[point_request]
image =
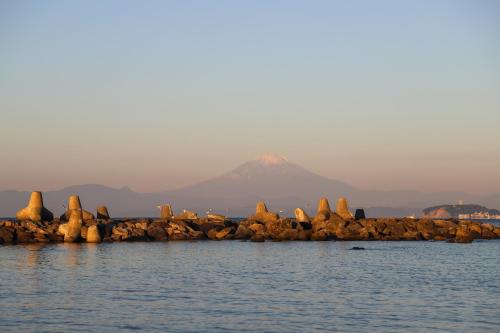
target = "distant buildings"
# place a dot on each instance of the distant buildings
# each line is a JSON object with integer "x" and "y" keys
{"x": 479, "y": 216}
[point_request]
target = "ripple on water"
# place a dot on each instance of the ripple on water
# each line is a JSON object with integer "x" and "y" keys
{"x": 251, "y": 287}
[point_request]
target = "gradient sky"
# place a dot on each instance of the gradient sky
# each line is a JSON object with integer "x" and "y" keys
{"x": 160, "y": 94}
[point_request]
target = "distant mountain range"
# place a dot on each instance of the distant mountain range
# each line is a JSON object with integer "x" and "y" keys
{"x": 282, "y": 184}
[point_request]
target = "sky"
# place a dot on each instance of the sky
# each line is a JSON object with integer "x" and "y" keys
{"x": 156, "y": 95}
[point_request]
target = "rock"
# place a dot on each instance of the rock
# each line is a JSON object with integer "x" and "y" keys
{"x": 212, "y": 234}
{"x": 243, "y": 232}
{"x": 102, "y": 213}
{"x": 93, "y": 235}
{"x": 31, "y": 226}
{"x": 342, "y": 209}
{"x": 7, "y": 224}
{"x": 463, "y": 235}
{"x": 186, "y": 215}
{"x": 320, "y": 235}
{"x": 196, "y": 234}
{"x": 41, "y": 238}
{"x": 258, "y": 229}
{"x": 215, "y": 217}
{"x": 137, "y": 234}
{"x": 224, "y": 233}
{"x": 35, "y": 211}
{"x": 301, "y": 215}
{"x": 357, "y": 248}
{"x": 304, "y": 235}
{"x": 6, "y": 235}
{"x": 346, "y": 230}
{"x": 72, "y": 229}
{"x": 258, "y": 238}
{"x": 427, "y": 228}
{"x": 359, "y": 214}
{"x": 120, "y": 233}
{"x": 206, "y": 227}
{"x": 394, "y": 230}
{"x": 276, "y": 229}
{"x": 166, "y": 212}
{"x": 24, "y": 236}
{"x": 74, "y": 204}
{"x": 156, "y": 232}
{"x": 287, "y": 235}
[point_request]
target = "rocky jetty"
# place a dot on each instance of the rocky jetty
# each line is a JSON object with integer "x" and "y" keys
{"x": 260, "y": 227}
{"x": 283, "y": 229}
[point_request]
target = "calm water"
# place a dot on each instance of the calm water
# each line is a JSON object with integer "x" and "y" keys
{"x": 255, "y": 287}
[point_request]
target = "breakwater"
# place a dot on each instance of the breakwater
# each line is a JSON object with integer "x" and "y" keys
{"x": 36, "y": 224}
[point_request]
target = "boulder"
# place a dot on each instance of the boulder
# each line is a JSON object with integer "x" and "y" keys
{"x": 35, "y": 211}
{"x": 426, "y": 228}
{"x": 342, "y": 209}
{"x": 320, "y": 235}
{"x": 275, "y": 228}
{"x": 301, "y": 215}
{"x": 243, "y": 232}
{"x": 120, "y": 233}
{"x": 6, "y": 235}
{"x": 215, "y": 217}
{"x": 74, "y": 204}
{"x": 102, "y": 213}
{"x": 186, "y": 215}
{"x": 258, "y": 229}
{"x": 224, "y": 233}
{"x": 93, "y": 235}
{"x": 156, "y": 232}
{"x": 23, "y": 236}
{"x": 258, "y": 238}
{"x": 463, "y": 235}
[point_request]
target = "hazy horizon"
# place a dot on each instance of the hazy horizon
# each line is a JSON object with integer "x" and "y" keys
{"x": 161, "y": 94}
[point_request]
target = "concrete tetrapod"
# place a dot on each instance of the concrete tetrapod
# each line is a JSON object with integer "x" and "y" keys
{"x": 74, "y": 204}
{"x": 93, "y": 235}
{"x": 262, "y": 214}
{"x": 35, "y": 211}
{"x": 342, "y": 209}
{"x": 324, "y": 211}
{"x": 102, "y": 213}
{"x": 73, "y": 228}
{"x": 166, "y": 212}
{"x": 301, "y": 215}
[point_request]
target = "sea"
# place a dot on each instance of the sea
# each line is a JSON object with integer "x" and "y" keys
{"x": 235, "y": 286}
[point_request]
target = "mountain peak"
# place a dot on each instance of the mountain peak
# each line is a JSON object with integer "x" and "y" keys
{"x": 271, "y": 159}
